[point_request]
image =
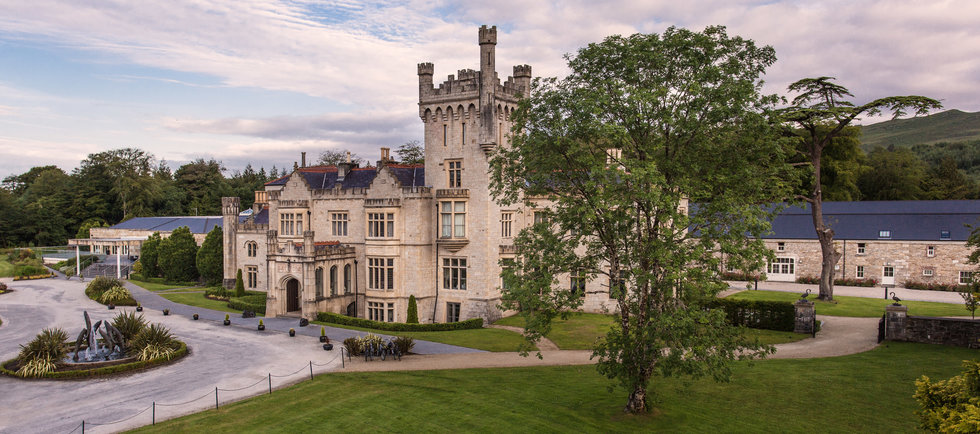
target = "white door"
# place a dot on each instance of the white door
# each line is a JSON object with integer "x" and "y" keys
{"x": 888, "y": 275}
{"x": 782, "y": 270}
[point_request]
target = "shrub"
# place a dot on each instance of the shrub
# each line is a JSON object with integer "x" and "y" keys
{"x": 36, "y": 367}
{"x": 154, "y": 342}
{"x": 30, "y": 270}
{"x": 741, "y": 276}
{"x": 115, "y": 295}
{"x": 253, "y": 302}
{"x": 178, "y": 256}
{"x": 333, "y": 318}
{"x": 239, "y": 284}
{"x": 404, "y": 344}
{"x": 809, "y": 280}
{"x": 217, "y": 293}
{"x": 353, "y": 346}
{"x": 129, "y": 324}
{"x": 935, "y": 286}
{"x": 150, "y": 255}
{"x": 99, "y": 285}
{"x": 413, "y": 311}
{"x": 815, "y": 280}
{"x": 210, "y": 257}
{"x": 49, "y": 344}
{"x": 952, "y": 405}
{"x": 769, "y": 315}
{"x": 3, "y": 286}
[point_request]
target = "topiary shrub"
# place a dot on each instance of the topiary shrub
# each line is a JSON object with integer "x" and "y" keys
{"x": 413, "y": 311}
{"x": 239, "y": 284}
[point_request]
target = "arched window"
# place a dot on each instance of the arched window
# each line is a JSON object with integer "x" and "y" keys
{"x": 252, "y": 249}
{"x": 333, "y": 280}
{"x": 319, "y": 282}
{"x": 347, "y": 279}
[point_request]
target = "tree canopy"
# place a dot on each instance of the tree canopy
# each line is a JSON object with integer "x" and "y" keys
{"x": 210, "y": 257}
{"x": 656, "y": 153}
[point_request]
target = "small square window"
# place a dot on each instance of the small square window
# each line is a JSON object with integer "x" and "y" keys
{"x": 931, "y": 251}
{"x": 860, "y": 271}
{"x": 861, "y": 247}
{"x": 884, "y": 234}
{"x": 966, "y": 277}
{"x": 927, "y": 272}
{"x": 781, "y": 247}
{"x": 944, "y": 235}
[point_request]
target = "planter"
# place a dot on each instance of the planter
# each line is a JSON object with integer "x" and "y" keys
{"x": 327, "y": 347}
{"x": 261, "y": 327}
{"x": 227, "y": 322}
{"x": 195, "y": 317}
{"x": 323, "y": 339}
{"x": 292, "y": 333}
{"x": 139, "y": 308}
{"x": 166, "y": 312}
{"x": 112, "y": 306}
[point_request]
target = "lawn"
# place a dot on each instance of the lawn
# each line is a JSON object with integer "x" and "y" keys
{"x": 198, "y": 299}
{"x": 857, "y": 306}
{"x": 486, "y": 339}
{"x": 580, "y": 331}
{"x": 152, "y": 286}
{"x": 864, "y": 392}
{"x": 6, "y": 268}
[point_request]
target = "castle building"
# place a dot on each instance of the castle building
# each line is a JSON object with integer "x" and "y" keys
{"x": 360, "y": 241}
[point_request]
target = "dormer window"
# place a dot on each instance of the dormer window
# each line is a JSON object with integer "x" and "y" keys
{"x": 931, "y": 251}
{"x": 884, "y": 234}
{"x": 861, "y": 248}
{"x": 944, "y": 235}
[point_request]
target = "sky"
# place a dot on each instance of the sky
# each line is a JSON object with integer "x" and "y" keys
{"x": 259, "y": 81}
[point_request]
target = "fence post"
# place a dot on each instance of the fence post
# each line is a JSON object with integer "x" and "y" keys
{"x": 83, "y": 426}
{"x": 311, "y": 369}
{"x": 215, "y": 397}
{"x": 270, "y": 383}
{"x": 154, "y": 413}
{"x": 342, "y": 363}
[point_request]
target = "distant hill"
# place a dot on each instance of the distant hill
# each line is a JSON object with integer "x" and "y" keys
{"x": 948, "y": 126}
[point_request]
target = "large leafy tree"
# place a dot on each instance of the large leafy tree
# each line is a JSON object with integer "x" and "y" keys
{"x": 210, "y": 257}
{"x": 333, "y": 157}
{"x": 411, "y": 153}
{"x": 178, "y": 256}
{"x": 821, "y": 111}
{"x": 150, "y": 255}
{"x": 614, "y": 153}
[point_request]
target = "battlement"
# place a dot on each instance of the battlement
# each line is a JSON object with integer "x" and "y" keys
{"x": 426, "y": 68}
{"x": 488, "y": 35}
{"x": 522, "y": 71}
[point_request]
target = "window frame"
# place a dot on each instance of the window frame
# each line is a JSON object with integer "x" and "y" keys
{"x": 780, "y": 247}
{"x": 453, "y": 310}
{"x": 339, "y": 221}
{"x": 381, "y": 273}
{"x": 859, "y": 272}
{"x": 452, "y": 219}
{"x": 252, "y": 276}
{"x": 862, "y": 248}
{"x": 251, "y": 249}
{"x": 454, "y": 273}
{"x": 381, "y": 224}
{"x": 454, "y": 172}
{"x": 930, "y": 251}
{"x": 506, "y": 224}
{"x": 966, "y": 277}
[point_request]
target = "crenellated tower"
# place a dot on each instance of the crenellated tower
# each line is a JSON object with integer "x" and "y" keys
{"x": 230, "y": 207}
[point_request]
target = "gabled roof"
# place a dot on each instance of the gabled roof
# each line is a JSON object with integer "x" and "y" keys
{"x": 197, "y": 224}
{"x": 911, "y": 220}
{"x": 261, "y": 217}
{"x": 325, "y": 177}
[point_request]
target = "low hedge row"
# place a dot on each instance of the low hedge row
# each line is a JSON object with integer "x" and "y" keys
{"x": 35, "y": 277}
{"x": 741, "y": 276}
{"x": 334, "y": 318}
{"x": 98, "y": 372}
{"x": 813, "y": 280}
{"x": 769, "y": 315}
{"x": 935, "y": 286}
{"x": 159, "y": 280}
{"x": 253, "y": 302}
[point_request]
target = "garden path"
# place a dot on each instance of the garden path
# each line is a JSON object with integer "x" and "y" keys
{"x": 544, "y": 344}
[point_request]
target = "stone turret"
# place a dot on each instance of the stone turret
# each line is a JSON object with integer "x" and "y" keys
{"x": 488, "y": 88}
{"x": 230, "y": 207}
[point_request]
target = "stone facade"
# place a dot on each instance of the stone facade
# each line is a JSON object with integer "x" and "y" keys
{"x": 918, "y": 261}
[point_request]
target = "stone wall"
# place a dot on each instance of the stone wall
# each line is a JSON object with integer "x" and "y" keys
{"x": 945, "y": 331}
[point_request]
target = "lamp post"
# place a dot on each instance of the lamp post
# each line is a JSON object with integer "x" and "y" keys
{"x": 887, "y": 286}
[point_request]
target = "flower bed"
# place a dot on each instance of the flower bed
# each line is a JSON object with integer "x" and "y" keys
{"x": 65, "y": 372}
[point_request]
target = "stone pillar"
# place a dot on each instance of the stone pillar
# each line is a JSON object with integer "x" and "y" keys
{"x": 896, "y": 316}
{"x": 230, "y": 206}
{"x": 805, "y": 316}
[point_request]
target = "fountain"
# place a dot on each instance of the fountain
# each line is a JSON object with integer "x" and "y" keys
{"x": 111, "y": 348}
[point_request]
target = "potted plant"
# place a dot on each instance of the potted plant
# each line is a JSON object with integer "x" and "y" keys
{"x": 195, "y": 317}
{"x": 111, "y": 306}
{"x": 166, "y": 312}
{"x": 323, "y": 335}
{"x": 139, "y": 307}
{"x": 292, "y": 332}
{"x": 327, "y": 347}
{"x": 227, "y": 319}
{"x": 261, "y": 325}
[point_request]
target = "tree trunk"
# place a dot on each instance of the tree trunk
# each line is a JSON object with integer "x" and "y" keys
{"x": 637, "y": 403}
{"x": 825, "y": 235}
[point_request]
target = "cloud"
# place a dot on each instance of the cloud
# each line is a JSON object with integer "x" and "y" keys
{"x": 332, "y": 126}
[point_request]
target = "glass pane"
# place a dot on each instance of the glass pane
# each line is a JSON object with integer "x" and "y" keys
{"x": 460, "y": 225}
{"x": 460, "y": 206}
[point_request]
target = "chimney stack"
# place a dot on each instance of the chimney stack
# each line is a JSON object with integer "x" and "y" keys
{"x": 303, "y": 159}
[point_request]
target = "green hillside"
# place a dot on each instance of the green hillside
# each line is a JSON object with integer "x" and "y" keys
{"x": 948, "y": 126}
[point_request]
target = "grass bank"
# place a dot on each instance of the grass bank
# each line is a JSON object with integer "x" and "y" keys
{"x": 155, "y": 286}
{"x": 580, "y": 331}
{"x": 486, "y": 339}
{"x": 197, "y": 299}
{"x": 857, "y": 306}
{"x": 857, "y": 393}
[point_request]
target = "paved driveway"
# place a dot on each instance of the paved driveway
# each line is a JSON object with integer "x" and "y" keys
{"x": 225, "y": 357}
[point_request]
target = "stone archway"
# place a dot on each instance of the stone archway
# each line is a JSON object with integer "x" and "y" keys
{"x": 292, "y": 296}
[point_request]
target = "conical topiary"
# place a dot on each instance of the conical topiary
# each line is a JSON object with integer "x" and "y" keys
{"x": 239, "y": 284}
{"x": 413, "y": 310}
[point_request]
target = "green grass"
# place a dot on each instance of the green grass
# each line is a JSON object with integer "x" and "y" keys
{"x": 580, "y": 331}
{"x": 857, "y": 306}
{"x": 486, "y": 339}
{"x": 198, "y": 299}
{"x": 868, "y": 392}
{"x": 6, "y": 268}
{"x": 152, "y": 286}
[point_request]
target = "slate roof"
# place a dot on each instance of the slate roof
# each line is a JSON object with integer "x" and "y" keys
{"x": 197, "y": 225}
{"x": 261, "y": 217}
{"x": 325, "y": 177}
{"x": 911, "y": 220}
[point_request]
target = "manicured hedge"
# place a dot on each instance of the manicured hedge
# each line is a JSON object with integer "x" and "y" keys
{"x": 99, "y": 372}
{"x": 935, "y": 286}
{"x": 253, "y": 302}
{"x": 769, "y": 315}
{"x": 333, "y": 318}
{"x": 160, "y": 280}
{"x": 814, "y": 280}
